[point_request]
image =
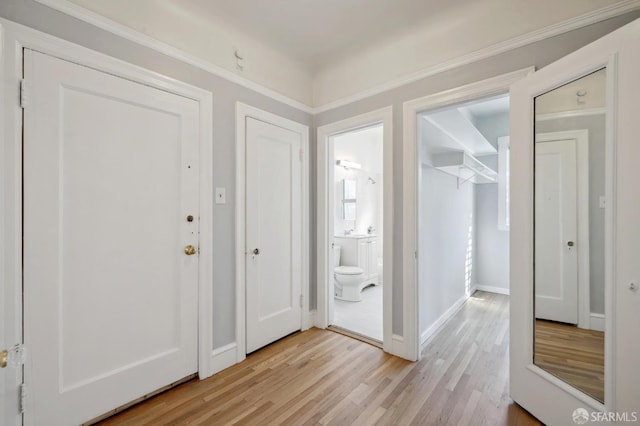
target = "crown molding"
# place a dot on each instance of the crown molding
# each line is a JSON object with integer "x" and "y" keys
{"x": 142, "y": 39}
{"x": 113, "y": 27}
{"x": 589, "y": 18}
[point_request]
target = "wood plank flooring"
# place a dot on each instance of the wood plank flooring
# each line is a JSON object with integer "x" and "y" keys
{"x": 572, "y": 354}
{"x": 319, "y": 377}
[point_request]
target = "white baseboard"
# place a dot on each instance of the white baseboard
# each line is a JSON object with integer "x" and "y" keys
{"x": 424, "y": 337}
{"x": 397, "y": 346}
{"x": 596, "y": 321}
{"x": 224, "y": 357}
{"x": 490, "y": 289}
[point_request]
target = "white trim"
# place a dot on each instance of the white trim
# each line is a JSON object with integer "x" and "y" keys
{"x": 582, "y": 196}
{"x": 223, "y": 357}
{"x": 16, "y": 38}
{"x": 325, "y": 217}
{"x": 242, "y": 112}
{"x": 570, "y": 114}
{"x": 397, "y": 346}
{"x": 485, "y": 88}
{"x": 597, "y": 321}
{"x": 589, "y": 18}
{"x": 142, "y": 39}
{"x": 138, "y": 37}
{"x": 490, "y": 289}
{"x": 441, "y": 321}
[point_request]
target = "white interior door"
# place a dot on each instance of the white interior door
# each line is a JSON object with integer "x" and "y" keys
{"x": 556, "y": 266}
{"x": 274, "y": 232}
{"x": 546, "y": 397}
{"x": 110, "y": 296}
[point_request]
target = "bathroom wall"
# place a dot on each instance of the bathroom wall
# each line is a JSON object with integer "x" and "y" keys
{"x": 363, "y": 147}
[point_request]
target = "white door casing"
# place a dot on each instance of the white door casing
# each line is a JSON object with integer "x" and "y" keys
{"x": 111, "y": 171}
{"x": 325, "y": 229}
{"x": 556, "y": 227}
{"x": 273, "y": 232}
{"x": 546, "y": 397}
{"x": 411, "y": 173}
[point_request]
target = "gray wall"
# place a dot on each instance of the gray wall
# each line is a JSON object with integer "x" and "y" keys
{"x": 445, "y": 244}
{"x": 595, "y": 124}
{"x": 492, "y": 244}
{"x": 225, "y": 95}
{"x": 492, "y": 253}
{"x": 538, "y": 54}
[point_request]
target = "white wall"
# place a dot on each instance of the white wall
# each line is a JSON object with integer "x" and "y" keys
{"x": 445, "y": 244}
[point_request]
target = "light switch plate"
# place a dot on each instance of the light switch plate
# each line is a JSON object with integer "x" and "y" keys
{"x": 221, "y": 196}
{"x": 603, "y": 202}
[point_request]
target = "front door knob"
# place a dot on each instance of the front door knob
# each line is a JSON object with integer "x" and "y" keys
{"x": 570, "y": 243}
{"x": 190, "y": 250}
{"x": 256, "y": 251}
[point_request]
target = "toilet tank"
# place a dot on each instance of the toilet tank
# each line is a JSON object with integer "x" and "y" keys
{"x": 336, "y": 255}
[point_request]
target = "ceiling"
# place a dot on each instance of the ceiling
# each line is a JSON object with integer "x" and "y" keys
{"x": 317, "y": 32}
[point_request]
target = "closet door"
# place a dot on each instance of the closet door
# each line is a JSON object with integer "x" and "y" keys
{"x": 609, "y": 68}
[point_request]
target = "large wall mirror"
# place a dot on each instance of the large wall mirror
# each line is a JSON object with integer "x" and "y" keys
{"x": 569, "y": 222}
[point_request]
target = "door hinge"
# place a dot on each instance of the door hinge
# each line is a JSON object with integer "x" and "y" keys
{"x": 301, "y": 299}
{"x": 24, "y": 94}
{"x": 23, "y": 398}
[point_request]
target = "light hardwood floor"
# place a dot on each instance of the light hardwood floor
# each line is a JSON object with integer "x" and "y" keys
{"x": 572, "y": 354}
{"x": 321, "y": 377}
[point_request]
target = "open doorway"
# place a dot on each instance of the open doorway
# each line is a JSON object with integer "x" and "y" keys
{"x": 463, "y": 223}
{"x": 356, "y": 193}
{"x": 355, "y": 221}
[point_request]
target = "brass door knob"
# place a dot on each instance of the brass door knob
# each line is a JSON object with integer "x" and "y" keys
{"x": 190, "y": 250}
{"x": 4, "y": 357}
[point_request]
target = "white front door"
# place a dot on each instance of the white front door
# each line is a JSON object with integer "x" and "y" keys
{"x": 273, "y": 233}
{"x": 556, "y": 266}
{"x": 110, "y": 295}
{"x": 550, "y": 399}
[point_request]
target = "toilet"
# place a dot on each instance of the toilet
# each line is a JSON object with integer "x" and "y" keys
{"x": 349, "y": 280}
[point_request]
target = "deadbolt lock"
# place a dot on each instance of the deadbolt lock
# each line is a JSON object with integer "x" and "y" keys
{"x": 190, "y": 218}
{"x": 570, "y": 243}
{"x": 190, "y": 250}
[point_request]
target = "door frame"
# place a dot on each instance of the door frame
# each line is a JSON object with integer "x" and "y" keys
{"x": 581, "y": 137}
{"x": 17, "y": 37}
{"x": 392, "y": 344}
{"x": 494, "y": 86}
{"x": 244, "y": 111}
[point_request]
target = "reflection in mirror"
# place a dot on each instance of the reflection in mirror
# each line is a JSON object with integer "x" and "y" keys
{"x": 569, "y": 271}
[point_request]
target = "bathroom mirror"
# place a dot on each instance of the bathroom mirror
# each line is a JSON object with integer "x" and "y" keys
{"x": 569, "y": 236}
{"x": 349, "y": 189}
{"x": 349, "y": 199}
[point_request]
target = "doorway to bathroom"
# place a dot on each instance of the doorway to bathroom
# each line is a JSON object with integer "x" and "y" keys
{"x": 354, "y": 218}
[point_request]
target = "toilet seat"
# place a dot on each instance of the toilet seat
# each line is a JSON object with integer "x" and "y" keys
{"x": 348, "y": 270}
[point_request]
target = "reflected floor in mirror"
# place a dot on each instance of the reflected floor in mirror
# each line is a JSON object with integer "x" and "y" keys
{"x": 572, "y": 354}
{"x": 364, "y": 317}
